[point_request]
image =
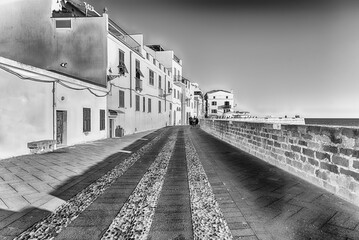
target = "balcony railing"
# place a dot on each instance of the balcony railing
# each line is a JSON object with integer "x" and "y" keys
{"x": 160, "y": 92}
{"x": 181, "y": 79}
{"x": 176, "y": 59}
{"x": 138, "y": 84}
{"x": 124, "y": 37}
{"x": 225, "y": 106}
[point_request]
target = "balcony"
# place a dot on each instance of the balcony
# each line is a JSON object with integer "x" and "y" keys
{"x": 177, "y": 60}
{"x": 123, "y": 37}
{"x": 138, "y": 85}
{"x": 160, "y": 92}
{"x": 178, "y": 80}
{"x": 225, "y": 106}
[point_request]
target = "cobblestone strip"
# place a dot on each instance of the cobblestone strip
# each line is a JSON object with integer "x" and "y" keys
{"x": 135, "y": 217}
{"x": 50, "y": 226}
{"x": 207, "y": 218}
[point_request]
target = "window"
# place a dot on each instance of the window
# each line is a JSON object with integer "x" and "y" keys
{"x": 159, "y": 82}
{"x": 152, "y": 77}
{"x": 121, "y": 64}
{"x": 227, "y": 97}
{"x": 174, "y": 93}
{"x": 214, "y": 103}
{"x": 213, "y": 111}
{"x": 144, "y": 104}
{"x": 102, "y": 119}
{"x": 214, "y": 97}
{"x": 159, "y": 106}
{"x": 63, "y": 23}
{"x": 154, "y": 61}
{"x": 226, "y": 103}
{"x": 121, "y": 100}
{"x": 168, "y": 86}
{"x": 175, "y": 72}
{"x": 138, "y": 70}
{"x": 170, "y": 106}
{"x": 86, "y": 119}
{"x": 149, "y": 105}
{"x": 148, "y": 56}
{"x": 137, "y": 103}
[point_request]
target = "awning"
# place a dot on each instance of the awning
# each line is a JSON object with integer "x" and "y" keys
{"x": 111, "y": 77}
{"x": 138, "y": 71}
{"x": 115, "y": 112}
{"x": 122, "y": 68}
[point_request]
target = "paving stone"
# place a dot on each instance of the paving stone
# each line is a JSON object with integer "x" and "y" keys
{"x": 242, "y": 232}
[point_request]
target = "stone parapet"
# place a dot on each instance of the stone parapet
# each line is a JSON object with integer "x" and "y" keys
{"x": 325, "y": 156}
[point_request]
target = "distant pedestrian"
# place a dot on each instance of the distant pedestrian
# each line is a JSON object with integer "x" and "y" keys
{"x": 190, "y": 121}
{"x": 195, "y": 121}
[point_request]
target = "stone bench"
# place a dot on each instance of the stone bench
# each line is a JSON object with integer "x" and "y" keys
{"x": 41, "y": 146}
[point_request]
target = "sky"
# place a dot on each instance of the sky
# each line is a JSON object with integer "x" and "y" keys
{"x": 279, "y": 57}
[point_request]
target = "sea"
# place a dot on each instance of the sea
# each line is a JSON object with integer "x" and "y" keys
{"x": 352, "y": 122}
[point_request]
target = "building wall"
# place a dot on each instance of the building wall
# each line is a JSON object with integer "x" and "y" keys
{"x": 131, "y": 120}
{"x": 83, "y": 48}
{"x": 25, "y": 114}
{"x": 73, "y": 102}
{"x": 28, "y": 107}
{"x": 325, "y": 156}
{"x": 29, "y": 36}
{"x": 220, "y": 98}
{"x": 176, "y": 98}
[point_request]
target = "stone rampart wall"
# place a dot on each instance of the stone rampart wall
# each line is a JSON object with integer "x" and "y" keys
{"x": 325, "y": 156}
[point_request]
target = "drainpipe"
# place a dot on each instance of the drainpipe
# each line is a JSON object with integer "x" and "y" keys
{"x": 130, "y": 79}
{"x": 165, "y": 92}
{"x": 53, "y": 111}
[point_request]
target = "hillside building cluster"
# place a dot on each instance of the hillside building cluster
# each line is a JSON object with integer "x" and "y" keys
{"x": 72, "y": 75}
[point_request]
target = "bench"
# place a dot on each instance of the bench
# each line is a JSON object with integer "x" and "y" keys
{"x": 41, "y": 146}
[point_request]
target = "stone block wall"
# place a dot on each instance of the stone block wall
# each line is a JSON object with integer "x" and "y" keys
{"x": 323, "y": 155}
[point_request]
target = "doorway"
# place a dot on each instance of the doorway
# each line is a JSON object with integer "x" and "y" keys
{"x": 174, "y": 118}
{"x": 111, "y": 128}
{"x": 61, "y": 127}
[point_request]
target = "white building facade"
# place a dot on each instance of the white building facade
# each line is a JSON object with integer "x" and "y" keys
{"x": 219, "y": 102}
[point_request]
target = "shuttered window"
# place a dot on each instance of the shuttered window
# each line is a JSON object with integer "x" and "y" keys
{"x": 137, "y": 103}
{"x": 102, "y": 119}
{"x": 144, "y": 104}
{"x": 149, "y": 105}
{"x": 152, "y": 77}
{"x": 121, "y": 100}
{"x": 86, "y": 119}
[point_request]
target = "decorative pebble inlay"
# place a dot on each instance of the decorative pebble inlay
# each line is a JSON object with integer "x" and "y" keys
{"x": 135, "y": 217}
{"x": 207, "y": 219}
{"x": 50, "y": 226}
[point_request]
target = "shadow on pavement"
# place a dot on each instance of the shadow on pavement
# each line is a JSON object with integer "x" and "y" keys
{"x": 75, "y": 184}
{"x": 14, "y": 223}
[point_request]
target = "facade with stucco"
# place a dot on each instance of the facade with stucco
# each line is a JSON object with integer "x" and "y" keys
{"x": 218, "y": 102}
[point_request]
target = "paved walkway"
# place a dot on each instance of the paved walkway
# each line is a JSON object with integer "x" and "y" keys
{"x": 148, "y": 185}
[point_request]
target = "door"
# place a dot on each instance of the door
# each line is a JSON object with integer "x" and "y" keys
{"x": 174, "y": 117}
{"x": 61, "y": 127}
{"x": 111, "y": 128}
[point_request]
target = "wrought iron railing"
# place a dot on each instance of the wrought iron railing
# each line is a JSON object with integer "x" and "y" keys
{"x": 124, "y": 37}
{"x": 138, "y": 85}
